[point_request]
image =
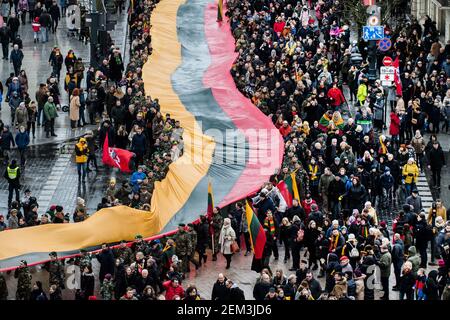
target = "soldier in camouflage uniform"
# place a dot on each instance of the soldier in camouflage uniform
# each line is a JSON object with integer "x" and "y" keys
{"x": 3, "y": 288}
{"x": 107, "y": 288}
{"x": 139, "y": 245}
{"x": 183, "y": 247}
{"x": 302, "y": 178}
{"x": 56, "y": 271}
{"x": 23, "y": 276}
{"x": 217, "y": 223}
{"x": 124, "y": 253}
{"x": 84, "y": 260}
{"x": 193, "y": 236}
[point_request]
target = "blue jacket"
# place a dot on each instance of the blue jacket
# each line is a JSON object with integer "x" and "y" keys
{"x": 134, "y": 180}
{"x": 22, "y": 140}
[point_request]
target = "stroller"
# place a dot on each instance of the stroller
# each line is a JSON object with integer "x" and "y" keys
{"x": 73, "y": 20}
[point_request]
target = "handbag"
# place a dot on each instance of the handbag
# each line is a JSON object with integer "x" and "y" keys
{"x": 234, "y": 247}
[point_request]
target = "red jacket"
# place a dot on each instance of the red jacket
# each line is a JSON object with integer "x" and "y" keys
{"x": 36, "y": 25}
{"x": 336, "y": 96}
{"x": 394, "y": 128}
{"x": 172, "y": 291}
{"x": 279, "y": 26}
{"x": 307, "y": 206}
{"x": 285, "y": 131}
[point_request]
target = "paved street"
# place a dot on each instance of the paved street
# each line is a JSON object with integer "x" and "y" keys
{"x": 35, "y": 64}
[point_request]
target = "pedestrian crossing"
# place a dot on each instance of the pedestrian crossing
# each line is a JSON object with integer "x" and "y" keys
{"x": 424, "y": 191}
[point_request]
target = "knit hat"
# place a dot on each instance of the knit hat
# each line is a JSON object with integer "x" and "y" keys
{"x": 344, "y": 258}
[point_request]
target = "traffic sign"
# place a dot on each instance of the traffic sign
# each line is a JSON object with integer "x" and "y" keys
{"x": 384, "y": 44}
{"x": 373, "y": 32}
{"x": 373, "y": 21}
{"x": 387, "y": 75}
{"x": 387, "y": 61}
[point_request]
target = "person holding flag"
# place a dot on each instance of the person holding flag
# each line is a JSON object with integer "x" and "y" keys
{"x": 116, "y": 157}
{"x": 257, "y": 237}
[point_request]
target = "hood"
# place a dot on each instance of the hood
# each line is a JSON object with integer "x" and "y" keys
{"x": 412, "y": 251}
{"x": 332, "y": 257}
{"x": 433, "y": 274}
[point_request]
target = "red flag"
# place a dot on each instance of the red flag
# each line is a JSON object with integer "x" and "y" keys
{"x": 397, "y": 81}
{"x": 116, "y": 157}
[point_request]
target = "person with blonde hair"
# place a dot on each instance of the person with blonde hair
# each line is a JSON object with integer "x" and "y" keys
{"x": 410, "y": 174}
{"x": 226, "y": 238}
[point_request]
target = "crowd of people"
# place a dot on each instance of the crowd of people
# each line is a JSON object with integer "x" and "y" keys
{"x": 294, "y": 63}
{"x": 359, "y": 215}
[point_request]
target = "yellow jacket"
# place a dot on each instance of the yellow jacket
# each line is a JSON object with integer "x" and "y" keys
{"x": 440, "y": 212}
{"x": 410, "y": 172}
{"x": 81, "y": 153}
{"x": 362, "y": 93}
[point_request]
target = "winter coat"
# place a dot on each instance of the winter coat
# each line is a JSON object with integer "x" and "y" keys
{"x": 22, "y": 116}
{"x": 410, "y": 173}
{"x": 6, "y": 140}
{"x": 219, "y": 291}
{"x": 407, "y": 281}
{"x": 385, "y": 264}
{"x": 138, "y": 144}
{"x": 436, "y": 158}
{"x": 106, "y": 260}
{"x": 16, "y": 57}
{"x": 324, "y": 183}
{"x": 418, "y": 144}
{"x": 50, "y": 111}
{"x": 414, "y": 258}
{"x": 226, "y": 238}
{"x": 22, "y": 140}
{"x": 394, "y": 127}
{"x": 415, "y": 202}
{"x": 398, "y": 253}
{"x": 75, "y": 108}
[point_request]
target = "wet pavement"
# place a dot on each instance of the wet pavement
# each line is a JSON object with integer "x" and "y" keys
{"x": 35, "y": 64}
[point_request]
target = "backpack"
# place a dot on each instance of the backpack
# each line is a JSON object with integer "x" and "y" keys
{"x": 300, "y": 235}
{"x": 354, "y": 253}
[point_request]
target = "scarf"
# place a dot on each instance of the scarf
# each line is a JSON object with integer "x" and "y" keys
{"x": 334, "y": 242}
{"x": 365, "y": 231}
{"x": 270, "y": 223}
{"x": 313, "y": 171}
{"x": 383, "y": 148}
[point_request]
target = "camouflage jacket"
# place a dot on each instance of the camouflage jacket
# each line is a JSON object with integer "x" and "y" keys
{"x": 193, "y": 236}
{"x": 107, "y": 290}
{"x": 217, "y": 223}
{"x": 183, "y": 245}
{"x": 125, "y": 254}
{"x": 23, "y": 280}
{"x": 83, "y": 261}
{"x": 56, "y": 272}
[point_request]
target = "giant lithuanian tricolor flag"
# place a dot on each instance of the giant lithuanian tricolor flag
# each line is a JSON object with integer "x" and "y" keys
{"x": 189, "y": 71}
{"x": 257, "y": 234}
